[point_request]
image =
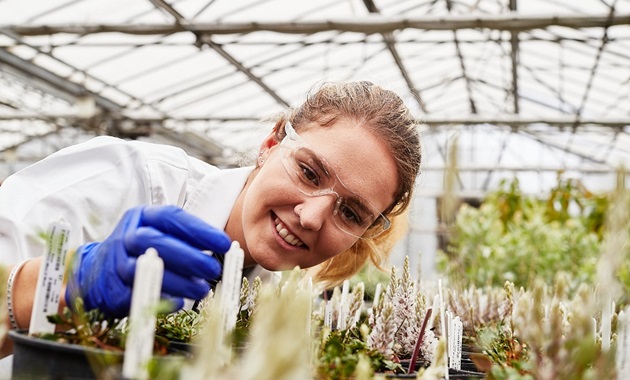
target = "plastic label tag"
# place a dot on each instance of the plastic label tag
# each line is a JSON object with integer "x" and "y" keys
{"x": 231, "y": 285}
{"x": 50, "y": 279}
{"x": 145, "y": 296}
{"x": 328, "y": 314}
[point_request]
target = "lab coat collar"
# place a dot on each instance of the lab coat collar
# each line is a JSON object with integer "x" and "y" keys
{"x": 215, "y": 195}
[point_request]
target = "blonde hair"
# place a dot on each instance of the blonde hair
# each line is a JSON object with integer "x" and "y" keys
{"x": 386, "y": 116}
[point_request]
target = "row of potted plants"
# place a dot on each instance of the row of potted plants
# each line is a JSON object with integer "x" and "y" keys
{"x": 547, "y": 332}
{"x": 504, "y": 320}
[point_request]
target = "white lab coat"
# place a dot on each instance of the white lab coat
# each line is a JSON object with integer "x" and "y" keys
{"x": 91, "y": 185}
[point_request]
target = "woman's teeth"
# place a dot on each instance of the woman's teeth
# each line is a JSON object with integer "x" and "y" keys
{"x": 289, "y": 238}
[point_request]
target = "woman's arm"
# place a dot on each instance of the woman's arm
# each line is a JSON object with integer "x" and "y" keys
{"x": 22, "y": 296}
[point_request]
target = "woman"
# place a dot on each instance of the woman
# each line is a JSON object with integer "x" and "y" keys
{"x": 328, "y": 182}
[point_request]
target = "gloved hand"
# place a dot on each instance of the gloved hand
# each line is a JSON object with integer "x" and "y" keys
{"x": 103, "y": 272}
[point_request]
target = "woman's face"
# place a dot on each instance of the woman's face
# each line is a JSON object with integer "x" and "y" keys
{"x": 273, "y": 203}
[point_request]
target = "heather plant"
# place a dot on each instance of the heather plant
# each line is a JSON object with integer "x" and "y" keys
{"x": 355, "y": 305}
{"x": 384, "y": 330}
{"x": 560, "y": 336}
{"x": 479, "y": 307}
{"x": 408, "y": 320}
{"x": 395, "y": 321}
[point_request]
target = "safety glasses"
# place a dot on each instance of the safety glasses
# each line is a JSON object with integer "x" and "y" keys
{"x": 313, "y": 176}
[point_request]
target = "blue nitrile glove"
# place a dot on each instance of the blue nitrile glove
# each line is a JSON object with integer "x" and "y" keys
{"x": 103, "y": 272}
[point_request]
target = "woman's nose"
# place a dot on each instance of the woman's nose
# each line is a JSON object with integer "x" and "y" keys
{"x": 313, "y": 211}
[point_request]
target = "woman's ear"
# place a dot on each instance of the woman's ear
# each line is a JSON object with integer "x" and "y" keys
{"x": 274, "y": 137}
{"x": 271, "y": 140}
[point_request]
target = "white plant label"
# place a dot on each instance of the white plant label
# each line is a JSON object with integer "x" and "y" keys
{"x": 328, "y": 314}
{"x": 344, "y": 292}
{"x": 50, "y": 279}
{"x": 341, "y": 320}
{"x": 455, "y": 342}
{"x": 606, "y": 322}
{"x": 435, "y": 307}
{"x": 145, "y": 296}
{"x": 231, "y": 285}
{"x": 622, "y": 356}
{"x": 443, "y": 326}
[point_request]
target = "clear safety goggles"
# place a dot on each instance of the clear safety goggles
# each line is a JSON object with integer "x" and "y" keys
{"x": 313, "y": 176}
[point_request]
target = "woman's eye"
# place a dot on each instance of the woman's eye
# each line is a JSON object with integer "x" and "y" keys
{"x": 349, "y": 215}
{"x": 309, "y": 174}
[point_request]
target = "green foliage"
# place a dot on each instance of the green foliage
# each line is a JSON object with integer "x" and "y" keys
{"x": 87, "y": 328}
{"x": 370, "y": 276}
{"x": 182, "y": 326}
{"x": 340, "y": 353}
{"x": 515, "y": 237}
{"x": 91, "y": 328}
{"x": 509, "y": 357}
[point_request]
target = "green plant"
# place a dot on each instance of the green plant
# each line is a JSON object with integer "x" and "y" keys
{"x": 182, "y": 326}
{"x": 515, "y": 237}
{"x": 340, "y": 353}
{"x": 87, "y": 328}
{"x": 507, "y": 356}
{"x": 370, "y": 276}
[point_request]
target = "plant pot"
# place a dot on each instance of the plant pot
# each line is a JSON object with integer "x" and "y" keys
{"x": 420, "y": 363}
{"x": 460, "y": 374}
{"x": 44, "y": 359}
{"x": 36, "y": 358}
{"x": 453, "y": 374}
{"x": 183, "y": 347}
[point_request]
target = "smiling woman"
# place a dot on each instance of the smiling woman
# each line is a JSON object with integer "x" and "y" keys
{"x": 376, "y": 140}
{"x": 327, "y": 192}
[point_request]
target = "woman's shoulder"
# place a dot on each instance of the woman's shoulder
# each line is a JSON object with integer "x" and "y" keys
{"x": 112, "y": 147}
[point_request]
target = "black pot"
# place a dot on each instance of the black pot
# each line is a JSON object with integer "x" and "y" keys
{"x": 453, "y": 374}
{"x": 36, "y": 358}
{"x": 461, "y": 374}
{"x": 190, "y": 348}
{"x": 469, "y": 365}
{"x": 420, "y": 363}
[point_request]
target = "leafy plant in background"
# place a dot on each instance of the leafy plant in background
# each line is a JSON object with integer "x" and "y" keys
{"x": 370, "y": 276}
{"x": 515, "y": 237}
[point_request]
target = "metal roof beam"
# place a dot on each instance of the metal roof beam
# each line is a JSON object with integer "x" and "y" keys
{"x": 32, "y": 71}
{"x": 207, "y": 40}
{"x": 513, "y": 121}
{"x": 367, "y": 25}
{"x": 585, "y": 169}
{"x": 514, "y": 56}
{"x": 462, "y": 65}
{"x": 390, "y": 42}
{"x": 216, "y": 47}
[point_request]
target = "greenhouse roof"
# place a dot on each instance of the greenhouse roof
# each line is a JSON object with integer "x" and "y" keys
{"x": 528, "y": 87}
